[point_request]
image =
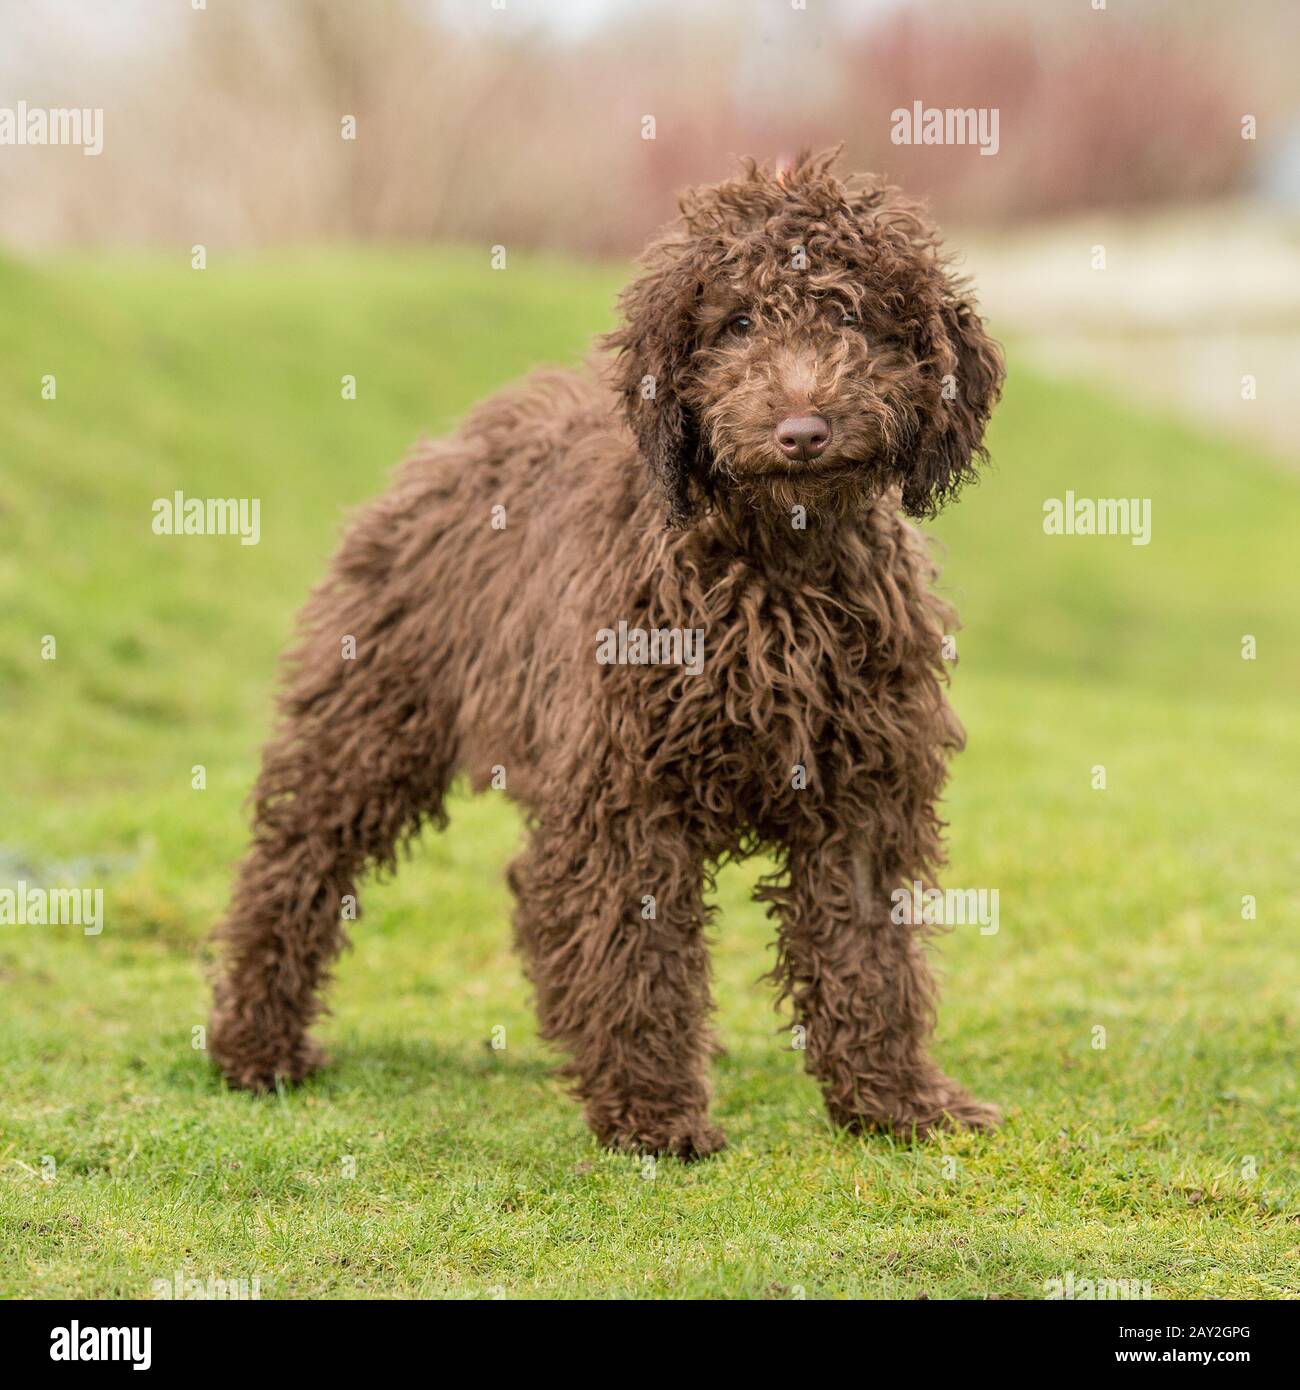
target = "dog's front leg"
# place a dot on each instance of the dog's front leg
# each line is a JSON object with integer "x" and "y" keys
{"x": 610, "y": 919}
{"x": 862, "y": 990}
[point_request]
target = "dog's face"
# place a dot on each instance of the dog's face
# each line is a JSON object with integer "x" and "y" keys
{"x": 797, "y": 339}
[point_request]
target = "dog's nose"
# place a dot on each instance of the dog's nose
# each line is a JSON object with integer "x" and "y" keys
{"x": 803, "y": 436}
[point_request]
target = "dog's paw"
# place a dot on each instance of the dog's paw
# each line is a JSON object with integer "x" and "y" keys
{"x": 950, "y": 1107}
{"x": 962, "y": 1112}
{"x": 686, "y": 1141}
{"x": 255, "y": 1069}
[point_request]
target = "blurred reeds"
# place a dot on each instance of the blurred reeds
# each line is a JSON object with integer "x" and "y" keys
{"x": 224, "y": 126}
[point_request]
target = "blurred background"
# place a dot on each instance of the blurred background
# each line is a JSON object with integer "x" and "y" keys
{"x": 179, "y": 312}
{"x": 522, "y": 123}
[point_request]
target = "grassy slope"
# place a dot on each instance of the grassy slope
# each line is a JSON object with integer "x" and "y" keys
{"x": 1118, "y": 908}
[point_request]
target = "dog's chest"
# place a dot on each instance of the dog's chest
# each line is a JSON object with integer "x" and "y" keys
{"x": 798, "y": 679}
{"x": 806, "y": 694}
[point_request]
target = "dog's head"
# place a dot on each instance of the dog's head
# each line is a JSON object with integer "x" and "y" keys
{"x": 798, "y": 338}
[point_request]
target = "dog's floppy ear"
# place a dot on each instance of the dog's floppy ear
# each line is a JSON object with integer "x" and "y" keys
{"x": 653, "y": 348}
{"x": 965, "y": 369}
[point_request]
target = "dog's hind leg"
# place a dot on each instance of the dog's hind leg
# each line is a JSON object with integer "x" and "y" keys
{"x": 610, "y": 919}
{"x": 363, "y": 754}
{"x": 862, "y": 989}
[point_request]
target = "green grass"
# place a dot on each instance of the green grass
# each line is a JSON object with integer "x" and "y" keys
{"x": 1169, "y": 1156}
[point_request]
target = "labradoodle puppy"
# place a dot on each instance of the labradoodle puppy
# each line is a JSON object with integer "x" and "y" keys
{"x": 672, "y": 607}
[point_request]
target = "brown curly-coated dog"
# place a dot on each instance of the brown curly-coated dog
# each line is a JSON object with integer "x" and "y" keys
{"x": 794, "y": 366}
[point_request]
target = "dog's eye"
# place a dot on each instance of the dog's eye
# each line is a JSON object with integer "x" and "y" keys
{"x": 848, "y": 319}
{"x": 740, "y": 324}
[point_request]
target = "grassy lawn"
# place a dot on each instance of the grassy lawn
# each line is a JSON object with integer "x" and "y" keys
{"x": 427, "y": 1163}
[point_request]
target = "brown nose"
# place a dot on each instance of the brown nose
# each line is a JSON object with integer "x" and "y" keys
{"x": 803, "y": 436}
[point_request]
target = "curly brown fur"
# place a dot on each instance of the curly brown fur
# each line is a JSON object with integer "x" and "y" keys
{"x": 475, "y": 650}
